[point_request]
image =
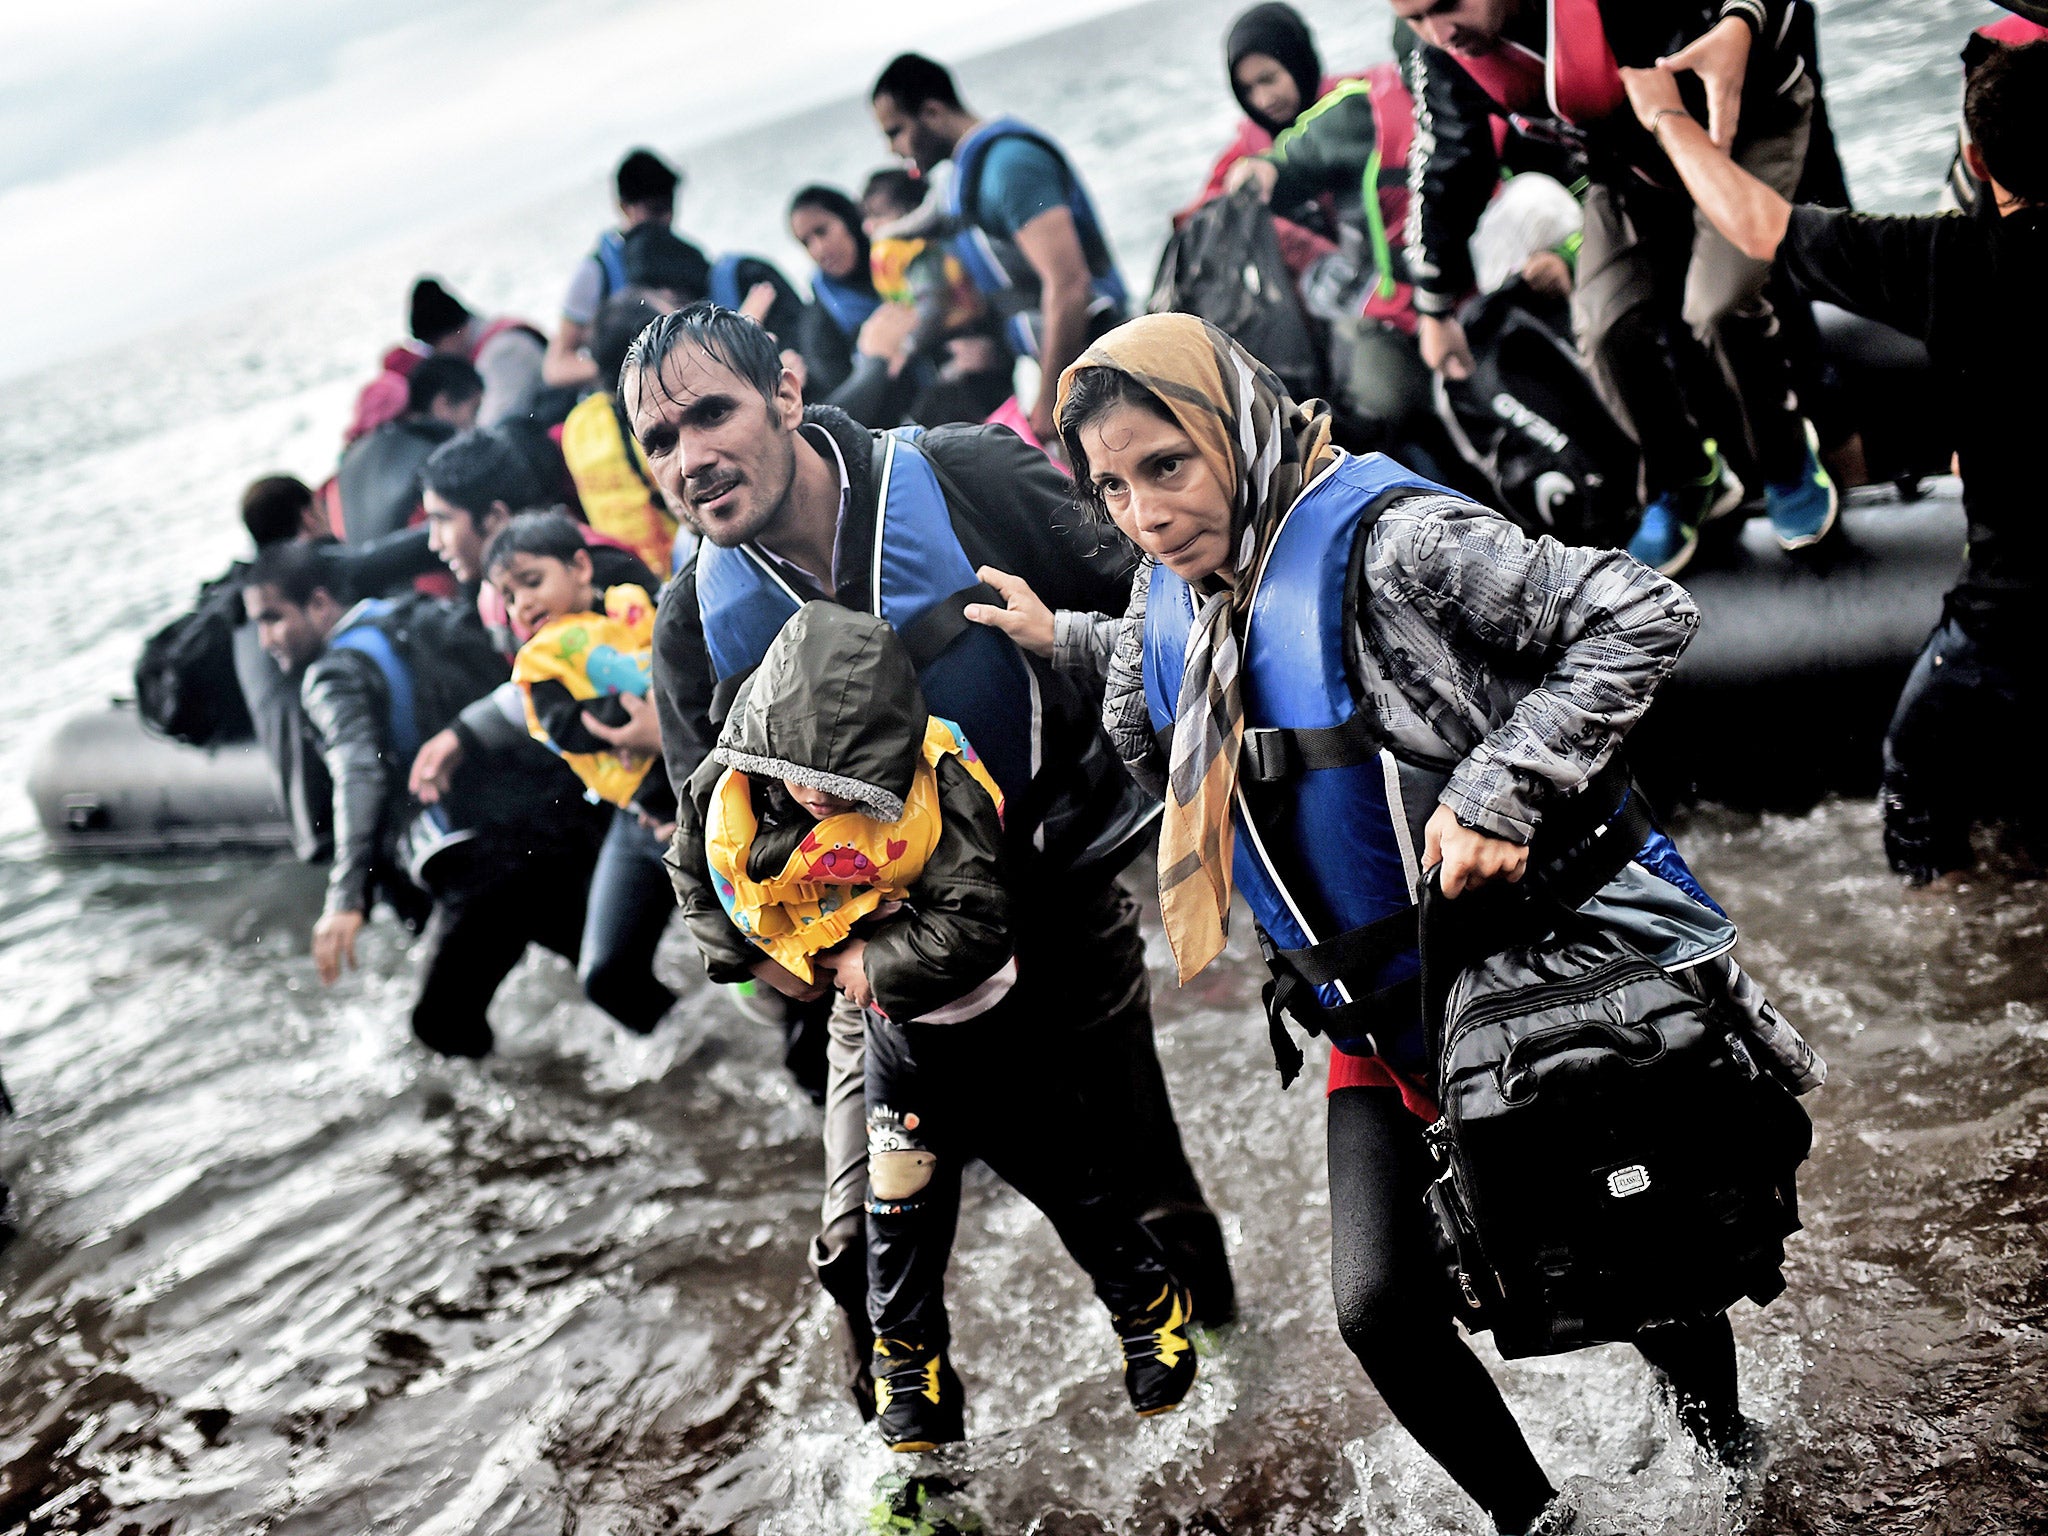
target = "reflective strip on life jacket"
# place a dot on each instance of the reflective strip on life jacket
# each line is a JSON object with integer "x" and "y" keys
{"x": 363, "y": 635}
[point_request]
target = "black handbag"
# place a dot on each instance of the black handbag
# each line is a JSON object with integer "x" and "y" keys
{"x": 1610, "y": 1158}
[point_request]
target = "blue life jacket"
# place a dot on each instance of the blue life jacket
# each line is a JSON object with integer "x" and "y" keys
{"x": 725, "y": 281}
{"x": 1330, "y": 824}
{"x": 849, "y": 304}
{"x": 918, "y": 578}
{"x": 996, "y": 264}
{"x": 363, "y": 634}
{"x": 610, "y": 257}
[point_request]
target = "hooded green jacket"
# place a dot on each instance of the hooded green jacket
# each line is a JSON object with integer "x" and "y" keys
{"x": 836, "y": 704}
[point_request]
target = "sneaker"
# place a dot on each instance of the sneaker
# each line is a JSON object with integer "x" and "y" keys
{"x": 1159, "y": 1357}
{"x": 1664, "y": 540}
{"x": 919, "y": 1404}
{"x": 1803, "y": 510}
{"x": 1714, "y": 494}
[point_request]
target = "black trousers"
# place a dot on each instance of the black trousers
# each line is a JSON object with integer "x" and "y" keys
{"x": 1955, "y": 753}
{"x": 488, "y": 907}
{"x": 1394, "y": 1310}
{"x": 941, "y": 1095}
{"x": 630, "y": 903}
{"x": 1082, "y": 982}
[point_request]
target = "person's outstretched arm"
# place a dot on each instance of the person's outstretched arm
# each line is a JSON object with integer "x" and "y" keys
{"x": 1748, "y": 213}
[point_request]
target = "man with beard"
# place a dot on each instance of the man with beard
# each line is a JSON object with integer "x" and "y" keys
{"x": 796, "y": 505}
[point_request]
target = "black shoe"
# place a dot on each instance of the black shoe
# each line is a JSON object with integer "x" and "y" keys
{"x": 1193, "y": 1241}
{"x": 1159, "y": 1357}
{"x": 919, "y": 1404}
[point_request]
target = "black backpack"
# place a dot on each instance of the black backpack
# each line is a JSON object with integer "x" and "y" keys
{"x": 1224, "y": 265}
{"x": 1611, "y": 1157}
{"x": 449, "y": 655}
{"x": 1530, "y": 421}
{"x": 185, "y": 682}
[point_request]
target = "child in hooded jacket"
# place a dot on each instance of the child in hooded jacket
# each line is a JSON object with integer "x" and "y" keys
{"x": 853, "y": 836}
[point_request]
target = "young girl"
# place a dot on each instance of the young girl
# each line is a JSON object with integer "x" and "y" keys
{"x": 849, "y": 832}
{"x": 588, "y": 648}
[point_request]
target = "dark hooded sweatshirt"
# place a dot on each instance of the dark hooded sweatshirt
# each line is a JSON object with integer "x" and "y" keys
{"x": 836, "y": 704}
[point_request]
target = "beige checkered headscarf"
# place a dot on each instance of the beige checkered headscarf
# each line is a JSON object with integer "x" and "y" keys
{"x": 1266, "y": 448}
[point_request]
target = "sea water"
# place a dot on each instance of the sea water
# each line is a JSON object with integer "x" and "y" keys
{"x": 283, "y": 1272}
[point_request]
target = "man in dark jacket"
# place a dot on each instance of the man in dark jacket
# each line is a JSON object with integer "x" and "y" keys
{"x": 507, "y": 856}
{"x": 728, "y": 438}
{"x": 1969, "y": 286}
{"x": 379, "y": 477}
{"x": 1649, "y": 270}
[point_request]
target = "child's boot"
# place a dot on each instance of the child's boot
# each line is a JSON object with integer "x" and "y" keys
{"x": 919, "y": 1404}
{"x": 1159, "y": 1357}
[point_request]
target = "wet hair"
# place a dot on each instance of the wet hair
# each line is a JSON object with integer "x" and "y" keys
{"x": 644, "y": 177}
{"x": 433, "y": 377}
{"x": 473, "y": 469}
{"x": 622, "y": 317}
{"x": 901, "y": 190}
{"x": 1094, "y": 394}
{"x": 911, "y": 80}
{"x": 726, "y": 336}
{"x": 550, "y": 535}
{"x": 297, "y": 570}
{"x": 274, "y": 509}
{"x": 2005, "y": 107}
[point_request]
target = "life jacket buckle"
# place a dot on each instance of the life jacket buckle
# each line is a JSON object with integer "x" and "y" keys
{"x": 1266, "y": 756}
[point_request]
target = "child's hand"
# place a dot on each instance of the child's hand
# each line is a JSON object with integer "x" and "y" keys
{"x": 640, "y": 734}
{"x": 775, "y": 974}
{"x": 850, "y": 972}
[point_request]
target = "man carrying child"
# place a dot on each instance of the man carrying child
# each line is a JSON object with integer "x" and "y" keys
{"x": 849, "y": 833}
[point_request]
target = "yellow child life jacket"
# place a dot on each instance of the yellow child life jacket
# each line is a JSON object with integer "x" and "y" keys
{"x": 845, "y": 868}
{"x": 613, "y": 483}
{"x": 594, "y": 655}
{"x": 889, "y": 264}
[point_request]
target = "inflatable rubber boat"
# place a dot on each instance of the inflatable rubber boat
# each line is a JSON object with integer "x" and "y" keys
{"x": 1783, "y": 697}
{"x": 104, "y": 784}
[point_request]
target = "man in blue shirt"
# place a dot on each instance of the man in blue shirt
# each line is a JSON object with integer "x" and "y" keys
{"x": 1024, "y": 226}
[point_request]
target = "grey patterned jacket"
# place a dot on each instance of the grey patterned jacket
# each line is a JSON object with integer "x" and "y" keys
{"x": 1514, "y": 664}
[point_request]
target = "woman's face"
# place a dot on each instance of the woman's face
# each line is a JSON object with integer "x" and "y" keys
{"x": 1159, "y": 491}
{"x": 827, "y": 240}
{"x": 1266, "y": 85}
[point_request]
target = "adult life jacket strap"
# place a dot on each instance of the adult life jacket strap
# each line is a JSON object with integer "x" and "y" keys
{"x": 361, "y": 632}
{"x": 610, "y": 256}
{"x": 996, "y": 266}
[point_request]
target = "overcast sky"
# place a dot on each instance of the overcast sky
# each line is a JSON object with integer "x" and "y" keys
{"x": 162, "y": 157}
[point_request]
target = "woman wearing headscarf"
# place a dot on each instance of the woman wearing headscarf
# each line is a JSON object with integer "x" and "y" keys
{"x": 1359, "y": 676}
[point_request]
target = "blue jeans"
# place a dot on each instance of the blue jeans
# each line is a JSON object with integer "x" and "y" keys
{"x": 1955, "y": 752}
{"x": 628, "y": 908}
